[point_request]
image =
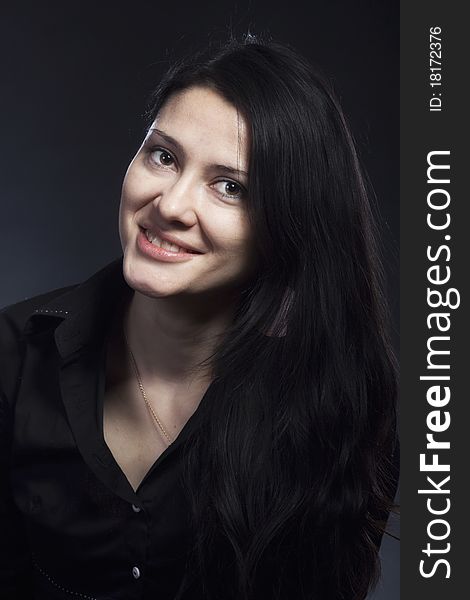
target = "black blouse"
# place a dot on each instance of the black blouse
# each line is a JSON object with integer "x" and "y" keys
{"x": 71, "y": 525}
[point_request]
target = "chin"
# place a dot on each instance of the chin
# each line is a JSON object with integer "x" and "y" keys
{"x": 144, "y": 281}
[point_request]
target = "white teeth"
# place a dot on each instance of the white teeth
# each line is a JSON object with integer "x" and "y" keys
{"x": 169, "y": 246}
{"x": 149, "y": 236}
{"x": 154, "y": 239}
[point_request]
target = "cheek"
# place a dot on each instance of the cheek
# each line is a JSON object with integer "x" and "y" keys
{"x": 129, "y": 205}
{"x": 245, "y": 243}
{"x": 242, "y": 235}
{"x": 138, "y": 187}
{"x": 233, "y": 239}
{"x": 131, "y": 192}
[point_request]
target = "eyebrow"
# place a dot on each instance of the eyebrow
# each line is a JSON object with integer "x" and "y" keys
{"x": 171, "y": 140}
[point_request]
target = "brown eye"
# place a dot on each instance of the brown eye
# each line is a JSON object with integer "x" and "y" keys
{"x": 229, "y": 189}
{"x": 162, "y": 157}
{"x": 232, "y": 189}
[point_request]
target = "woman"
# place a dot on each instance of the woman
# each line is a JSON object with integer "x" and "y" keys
{"x": 213, "y": 415}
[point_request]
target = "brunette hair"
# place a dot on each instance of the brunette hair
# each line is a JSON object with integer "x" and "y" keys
{"x": 290, "y": 473}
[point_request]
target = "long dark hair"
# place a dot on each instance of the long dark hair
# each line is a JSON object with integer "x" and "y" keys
{"x": 290, "y": 475}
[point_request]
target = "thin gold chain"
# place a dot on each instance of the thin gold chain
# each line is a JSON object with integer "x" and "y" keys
{"x": 144, "y": 395}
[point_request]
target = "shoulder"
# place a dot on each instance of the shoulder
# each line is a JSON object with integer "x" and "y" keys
{"x": 14, "y": 317}
{"x": 59, "y": 302}
{"x": 76, "y": 313}
{"x": 13, "y": 322}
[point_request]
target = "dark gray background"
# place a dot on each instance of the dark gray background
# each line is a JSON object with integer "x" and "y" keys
{"x": 75, "y": 81}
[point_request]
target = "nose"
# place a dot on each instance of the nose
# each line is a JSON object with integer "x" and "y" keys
{"x": 177, "y": 201}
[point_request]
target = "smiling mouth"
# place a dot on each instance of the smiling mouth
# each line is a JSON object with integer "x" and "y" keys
{"x": 168, "y": 246}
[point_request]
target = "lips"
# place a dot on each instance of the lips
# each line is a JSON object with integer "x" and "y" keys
{"x": 168, "y": 242}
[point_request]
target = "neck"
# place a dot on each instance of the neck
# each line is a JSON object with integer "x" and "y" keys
{"x": 171, "y": 336}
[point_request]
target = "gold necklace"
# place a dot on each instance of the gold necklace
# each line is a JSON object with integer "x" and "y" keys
{"x": 144, "y": 395}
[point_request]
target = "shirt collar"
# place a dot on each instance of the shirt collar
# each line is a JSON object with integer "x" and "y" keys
{"x": 80, "y": 313}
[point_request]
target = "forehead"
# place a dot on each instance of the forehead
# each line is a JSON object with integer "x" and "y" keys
{"x": 203, "y": 121}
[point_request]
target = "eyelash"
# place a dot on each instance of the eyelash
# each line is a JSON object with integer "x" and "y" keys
{"x": 154, "y": 149}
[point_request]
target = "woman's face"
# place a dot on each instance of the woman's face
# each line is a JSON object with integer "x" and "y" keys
{"x": 183, "y": 222}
